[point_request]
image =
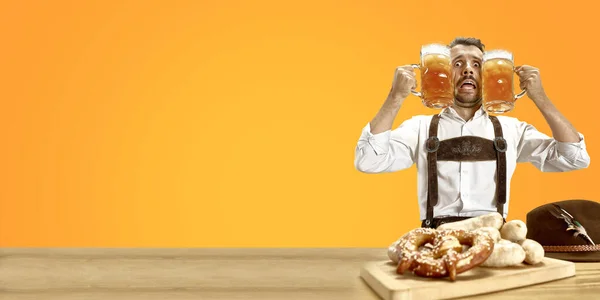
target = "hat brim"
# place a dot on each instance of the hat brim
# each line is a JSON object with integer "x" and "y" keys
{"x": 591, "y": 256}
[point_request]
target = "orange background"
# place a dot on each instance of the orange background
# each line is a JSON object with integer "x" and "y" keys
{"x": 233, "y": 123}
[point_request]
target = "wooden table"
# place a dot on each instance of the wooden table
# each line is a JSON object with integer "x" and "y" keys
{"x": 207, "y": 274}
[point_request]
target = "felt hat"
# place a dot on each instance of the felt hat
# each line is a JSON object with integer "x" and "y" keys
{"x": 568, "y": 230}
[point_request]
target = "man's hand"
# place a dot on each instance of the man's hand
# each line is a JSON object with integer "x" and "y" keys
{"x": 530, "y": 79}
{"x": 562, "y": 129}
{"x": 404, "y": 81}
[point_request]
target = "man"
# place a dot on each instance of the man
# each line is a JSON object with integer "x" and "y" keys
{"x": 456, "y": 178}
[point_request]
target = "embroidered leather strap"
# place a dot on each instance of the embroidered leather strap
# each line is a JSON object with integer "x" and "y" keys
{"x": 466, "y": 148}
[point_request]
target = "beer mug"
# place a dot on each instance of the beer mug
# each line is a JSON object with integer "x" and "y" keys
{"x": 437, "y": 90}
{"x": 497, "y": 83}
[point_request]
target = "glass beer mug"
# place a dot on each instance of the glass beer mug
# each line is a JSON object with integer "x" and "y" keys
{"x": 497, "y": 83}
{"x": 437, "y": 90}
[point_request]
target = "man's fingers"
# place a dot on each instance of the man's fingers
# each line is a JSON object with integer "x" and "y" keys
{"x": 411, "y": 80}
{"x": 402, "y": 71}
{"x": 527, "y": 81}
{"x": 409, "y": 74}
{"x": 405, "y": 70}
{"x": 521, "y": 68}
{"x": 527, "y": 74}
{"x": 522, "y": 74}
{"x": 404, "y": 78}
{"x": 406, "y": 67}
{"x": 526, "y": 70}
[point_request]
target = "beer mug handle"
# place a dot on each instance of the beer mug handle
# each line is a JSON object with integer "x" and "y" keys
{"x": 418, "y": 94}
{"x": 521, "y": 94}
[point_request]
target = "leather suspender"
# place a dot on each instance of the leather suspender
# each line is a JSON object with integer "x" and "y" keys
{"x": 431, "y": 146}
{"x": 500, "y": 145}
{"x": 467, "y": 148}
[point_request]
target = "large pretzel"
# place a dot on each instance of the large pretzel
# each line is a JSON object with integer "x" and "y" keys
{"x": 446, "y": 256}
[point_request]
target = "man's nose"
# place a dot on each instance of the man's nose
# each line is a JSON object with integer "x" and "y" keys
{"x": 468, "y": 70}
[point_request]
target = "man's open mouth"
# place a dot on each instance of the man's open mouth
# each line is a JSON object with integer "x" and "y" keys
{"x": 468, "y": 85}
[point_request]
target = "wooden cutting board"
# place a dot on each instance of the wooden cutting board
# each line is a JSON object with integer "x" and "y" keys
{"x": 382, "y": 278}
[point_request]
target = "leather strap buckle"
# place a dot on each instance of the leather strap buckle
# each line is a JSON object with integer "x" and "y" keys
{"x": 500, "y": 144}
{"x": 432, "y": 140}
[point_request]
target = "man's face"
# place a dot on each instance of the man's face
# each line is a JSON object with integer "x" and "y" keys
{"x": 466, "y": 72}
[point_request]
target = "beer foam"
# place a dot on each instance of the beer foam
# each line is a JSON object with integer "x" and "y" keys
{"x": 495, "y": 54}
{"x": 435, "y": 49}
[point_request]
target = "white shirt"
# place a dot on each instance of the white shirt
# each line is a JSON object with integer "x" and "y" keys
{"x": 465, "y": 188}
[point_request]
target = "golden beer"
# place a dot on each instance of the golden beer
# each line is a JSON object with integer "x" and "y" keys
{"x": 437, "y": 90}
{"x": 497, "y": 83}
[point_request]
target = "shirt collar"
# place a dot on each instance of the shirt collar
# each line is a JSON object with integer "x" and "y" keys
{"x": 451, "y": 111}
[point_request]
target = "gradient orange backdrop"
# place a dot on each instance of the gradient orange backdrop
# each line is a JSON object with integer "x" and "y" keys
{"x": 233, "y": 123}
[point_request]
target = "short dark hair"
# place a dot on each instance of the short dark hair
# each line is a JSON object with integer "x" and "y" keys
{"x": 468, "y": 41}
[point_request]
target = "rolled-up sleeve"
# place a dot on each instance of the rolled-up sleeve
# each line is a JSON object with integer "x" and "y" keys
{"x": 388, "y": 151}
{"x": 550, "y": 155}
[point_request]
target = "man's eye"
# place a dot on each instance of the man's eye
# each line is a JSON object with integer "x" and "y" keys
{"x": 457, "y": 64}
{"x": 476, "y": 65}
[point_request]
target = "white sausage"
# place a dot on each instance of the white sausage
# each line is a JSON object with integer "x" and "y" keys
{"x": 491, "y": 231}
{"x": 488, "y": 220}
{"x": 514, "y": 231}
{"x": 392, "y": 252}
{"x": 505, "y": 254}
{"x": 534, "y": 252}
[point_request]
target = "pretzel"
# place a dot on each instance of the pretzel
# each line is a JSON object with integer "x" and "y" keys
{"x": 446, "y": 257}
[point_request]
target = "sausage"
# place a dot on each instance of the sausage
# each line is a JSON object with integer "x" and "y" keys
{"x": 534, "y": 252}
{"x": 514, "y": 231}
{"x": 392, "y": 251}
{"x": 492, "y": 232}
{"x": 505, "y": 254}
{"x": 488, "y": 220}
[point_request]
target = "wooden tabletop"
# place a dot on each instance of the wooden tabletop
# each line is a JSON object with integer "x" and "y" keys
{"x": 294, "y": 273}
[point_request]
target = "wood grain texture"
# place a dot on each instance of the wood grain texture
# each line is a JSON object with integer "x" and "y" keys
{"x": 291, "y": 273}
{"x": 382, "y": 278}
